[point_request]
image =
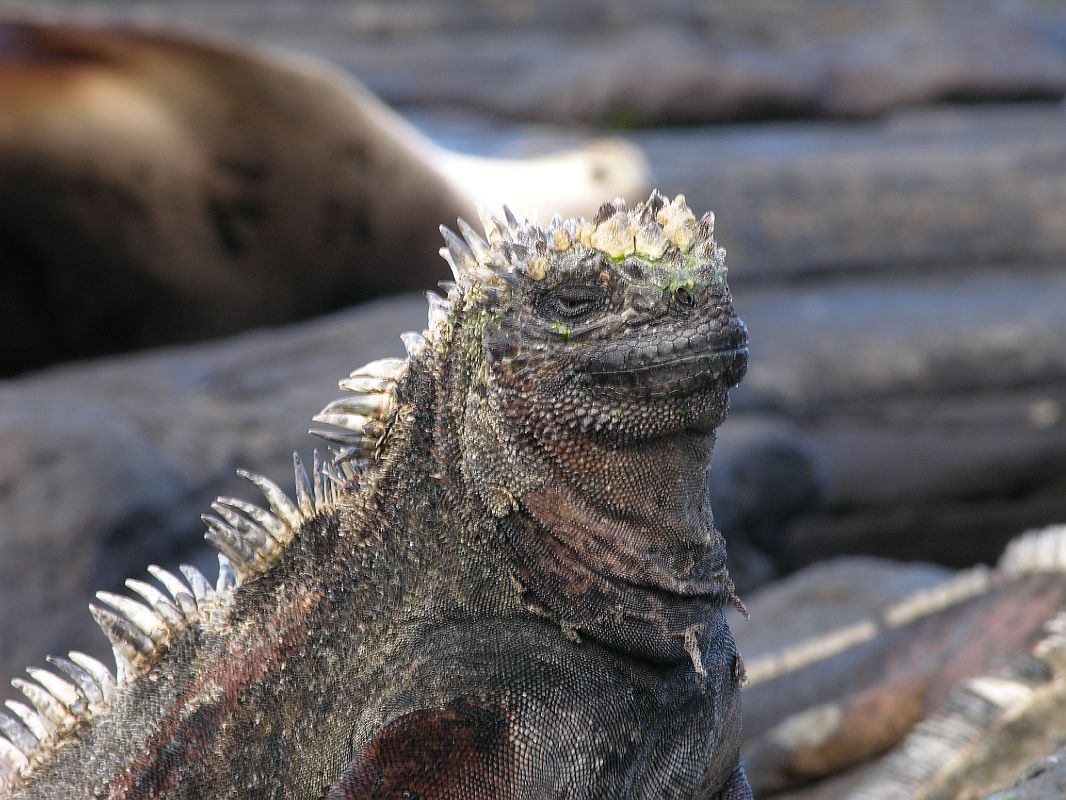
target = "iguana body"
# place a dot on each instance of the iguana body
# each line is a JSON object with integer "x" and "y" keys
{"x": 508, "y": 583}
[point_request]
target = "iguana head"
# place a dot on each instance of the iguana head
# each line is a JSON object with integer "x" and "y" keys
{"x": 593, "y": 363}
{"x": 574, "y": 377}
{"x": 620, "y": 328}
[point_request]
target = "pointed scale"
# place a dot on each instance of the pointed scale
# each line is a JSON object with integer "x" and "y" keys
{"x": 157, "y": 601}
{"x": 85, "y": 682}
{"x": 480, "y": 248}
{"x": 253, "y": 534}
{"x": 17, "y": 734}
{"x": 13, "y": 762}
{"x": 385, "y": 368}
{"x": 439, "y": 309}
{"x": 179, "y": 591}
{"x": 512, "y": 220}
{"x": 129, "y": 644}
{"x": 279, "y": 503}
{"x": 414, "y": 343}
{"x": 143, "y": 618}
{"x": 48, "y": 706}
{"x": 305, "y": 497}
{"x": 43, "y": 730}
{"x": 101, "y": 674}
{"x": 460, "y": 257}
{"x": 201, "y": 588}
{"x": 227, "y": 576}
{"x": 62, "y": 690}
{"x": 240, "y": 552}
{"x": 260, "y": 516}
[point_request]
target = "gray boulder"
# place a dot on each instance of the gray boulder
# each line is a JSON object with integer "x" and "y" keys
{"x": 616, "y": 63}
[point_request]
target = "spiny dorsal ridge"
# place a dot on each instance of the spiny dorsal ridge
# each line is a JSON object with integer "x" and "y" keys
{"x": 250, "y": 539}
{"x": 358, "y": 421}
{"x": 60, "y": 704}
{"x": 654, "y": 229}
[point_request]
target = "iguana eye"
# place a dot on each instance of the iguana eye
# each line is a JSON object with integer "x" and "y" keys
{"x": 683, "y": 297}
{"x": 570, "y": 302}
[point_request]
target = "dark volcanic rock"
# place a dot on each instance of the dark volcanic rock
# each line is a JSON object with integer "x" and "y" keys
{"x": 764, "y": 477}
{"x": 931, "y": 407}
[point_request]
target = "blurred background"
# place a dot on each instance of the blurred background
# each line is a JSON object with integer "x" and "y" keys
{"x": 199, "y": 204}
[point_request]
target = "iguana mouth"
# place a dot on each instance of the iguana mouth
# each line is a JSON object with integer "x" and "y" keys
{"x": 641, "y": 371}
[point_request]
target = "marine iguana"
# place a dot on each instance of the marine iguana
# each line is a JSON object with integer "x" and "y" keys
{"x": 505, "y": 583}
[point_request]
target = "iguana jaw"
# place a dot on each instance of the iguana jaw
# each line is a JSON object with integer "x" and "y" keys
{"x": 675, "y": 376}
{"x": 667, "y": 378}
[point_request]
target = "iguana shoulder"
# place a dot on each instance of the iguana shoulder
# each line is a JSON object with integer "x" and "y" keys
{"x": 510, "y": 543}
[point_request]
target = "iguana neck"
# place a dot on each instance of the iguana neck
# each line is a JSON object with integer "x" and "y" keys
{"x": 614, "y": 541}
{"x": 649, "y": 499}
{"x": 621, "y": 545}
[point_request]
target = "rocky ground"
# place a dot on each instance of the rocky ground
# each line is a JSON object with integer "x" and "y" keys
{"x": 622, "y": 64}
{"x": 898, "y": 257}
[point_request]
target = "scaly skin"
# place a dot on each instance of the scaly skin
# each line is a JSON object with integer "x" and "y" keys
{"x": 519, "y": 593}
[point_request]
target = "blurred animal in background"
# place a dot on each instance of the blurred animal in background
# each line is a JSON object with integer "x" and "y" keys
{"x": 159, "y": 189}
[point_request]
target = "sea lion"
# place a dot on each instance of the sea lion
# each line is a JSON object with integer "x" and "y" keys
{"x": 157, "y": 189}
